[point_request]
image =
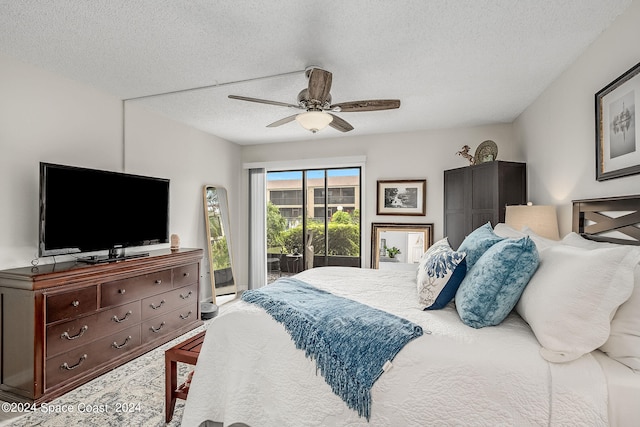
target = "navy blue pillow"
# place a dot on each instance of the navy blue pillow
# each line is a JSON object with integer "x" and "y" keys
{"x": 477, "y": 243}
{"x": 493, "y": 287}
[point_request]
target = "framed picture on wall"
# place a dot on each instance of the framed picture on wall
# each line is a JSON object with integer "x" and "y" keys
{"x": 402, "y": 197}
{"x": 617, "y": 134}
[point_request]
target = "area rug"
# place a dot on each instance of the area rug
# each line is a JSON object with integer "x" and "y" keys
{"x": 138, "y": 387}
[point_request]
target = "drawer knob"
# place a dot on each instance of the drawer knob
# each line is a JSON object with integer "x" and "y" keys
{"x": 75, "y": 303}
{"x": 126, "y": 341}
{"x": 66, "y": 366}
{"x": 126, "y": 316}
{"x": 122, "y": 291}
{"x": 158, "y": 281}
{"x": 65, "y": 335}
{"x": 156, "y": 330}
{"x": 155, "y": 307}
{"x": 186, "y": 296}
{"x": 184, "y": 316}
{"x": 186, "y": 274}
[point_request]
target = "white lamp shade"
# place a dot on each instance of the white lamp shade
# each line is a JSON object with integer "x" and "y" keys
{"x": 542, "y": 220}
{"x": 314, "y": 120}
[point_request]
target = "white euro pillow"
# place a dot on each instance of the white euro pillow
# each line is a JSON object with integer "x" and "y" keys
{"x": 623, "y": 343}
{"x": 504, "y": 230}
{"x": 541, "y": 242}
{"x": 571, "y": 299}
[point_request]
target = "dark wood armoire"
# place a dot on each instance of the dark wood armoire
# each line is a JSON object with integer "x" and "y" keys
{"x": 475, "y": 195}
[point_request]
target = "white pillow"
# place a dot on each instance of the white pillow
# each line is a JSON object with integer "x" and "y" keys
{"x": 504, "y": 230}
{"x": 623, "y": 344}
{"x": 541, "y": 242}
{"x": 570, "y": 300}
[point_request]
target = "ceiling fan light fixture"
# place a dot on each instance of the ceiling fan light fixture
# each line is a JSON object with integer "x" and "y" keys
{"x": 314, "y": 120}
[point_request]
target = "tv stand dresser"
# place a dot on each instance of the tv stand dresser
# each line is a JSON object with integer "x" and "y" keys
{"x": 65, "y": 324}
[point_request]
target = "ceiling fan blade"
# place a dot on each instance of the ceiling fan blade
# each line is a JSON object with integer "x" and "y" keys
{"x": 282, "y": 121}
{"x": 369, "y": 105}
{"x": 340, "y": 124}
{"x": 264, "y": 101}
{"x": 319, "y": 84}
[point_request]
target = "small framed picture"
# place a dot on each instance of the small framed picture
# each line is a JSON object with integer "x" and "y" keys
{"x": 617, "y": 135}
{"x": 402, "y": 197}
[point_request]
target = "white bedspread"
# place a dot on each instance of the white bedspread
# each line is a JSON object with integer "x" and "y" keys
{"x": 250, "y": 371}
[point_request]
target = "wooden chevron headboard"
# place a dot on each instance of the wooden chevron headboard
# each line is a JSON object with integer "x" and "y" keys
{"x": 610, "y": 219}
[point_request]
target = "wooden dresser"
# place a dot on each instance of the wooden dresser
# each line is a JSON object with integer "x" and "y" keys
{"x": 65, "y": 324}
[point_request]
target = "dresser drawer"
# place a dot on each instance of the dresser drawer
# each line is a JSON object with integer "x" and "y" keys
{"x": 72, "y": 334}
{"x": 168, "y": 301}
{"x": 70, "y": 304}
{"x": 159, "y": 326}
{"x": 82, "y": 359}
{"x": 126, "y": 290}
{"x": 118, "y": 318}
{"x": 185, "y": 275}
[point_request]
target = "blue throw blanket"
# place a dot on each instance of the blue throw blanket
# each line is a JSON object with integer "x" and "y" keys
{"x": 349, "y": 341}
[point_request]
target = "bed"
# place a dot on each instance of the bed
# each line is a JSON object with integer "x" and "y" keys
{"x": 250, "y": 371}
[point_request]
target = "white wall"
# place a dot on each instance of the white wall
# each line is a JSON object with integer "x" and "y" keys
{"x": 191, "y": 159}
{"x": 558, "y": 130}
{"x": 44, "y": 117}
{"x": 411, "y": 155}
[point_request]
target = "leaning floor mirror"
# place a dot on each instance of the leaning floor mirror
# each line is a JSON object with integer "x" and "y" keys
{"x": 216, "y": 213}
{"x": 399, "y": 246}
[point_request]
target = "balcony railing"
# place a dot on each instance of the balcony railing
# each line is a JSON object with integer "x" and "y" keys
{"x": 284, "y": 201}
{"x": 339, "y": 200}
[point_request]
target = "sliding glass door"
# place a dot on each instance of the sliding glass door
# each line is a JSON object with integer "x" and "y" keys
{"x": 313, "y": 219}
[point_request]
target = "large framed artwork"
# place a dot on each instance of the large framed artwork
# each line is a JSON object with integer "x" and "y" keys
{"x": 617, "y": 134}
{"x": 402, "y": 197}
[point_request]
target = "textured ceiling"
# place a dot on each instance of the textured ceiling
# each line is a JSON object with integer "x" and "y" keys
{"x": 451, "y": 63}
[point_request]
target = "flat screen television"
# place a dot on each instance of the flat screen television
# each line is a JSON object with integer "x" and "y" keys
{"x": 89, "y": 210}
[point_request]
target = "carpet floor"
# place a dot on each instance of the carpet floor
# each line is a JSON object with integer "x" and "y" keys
{"x": 137, "y": 386}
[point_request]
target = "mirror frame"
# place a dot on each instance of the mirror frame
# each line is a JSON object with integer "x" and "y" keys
{"x": 380, "y": 227}
{"x": 227, "y": 237}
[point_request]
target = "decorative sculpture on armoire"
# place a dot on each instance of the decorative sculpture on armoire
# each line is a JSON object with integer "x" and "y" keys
{"x": 464, "y": 152}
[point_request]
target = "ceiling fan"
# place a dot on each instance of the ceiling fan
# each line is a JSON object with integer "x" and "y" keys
{"x": 316, "y": 101}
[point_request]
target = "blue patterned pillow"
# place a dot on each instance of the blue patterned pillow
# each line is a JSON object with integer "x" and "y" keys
{"x": 477, "y": 243}
{"x": 493, "y": 287}
{"x": 440, "y": 272}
